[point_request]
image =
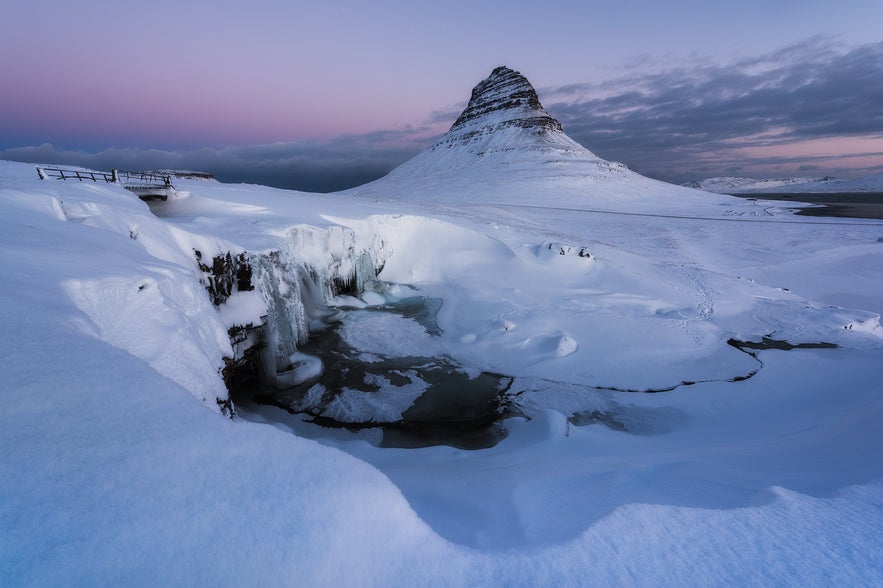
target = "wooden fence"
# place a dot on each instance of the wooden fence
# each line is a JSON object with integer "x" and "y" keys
{"x": 76, "y": 174}
{"x": 142, "y": 183}
{"x": 143, "y": 180}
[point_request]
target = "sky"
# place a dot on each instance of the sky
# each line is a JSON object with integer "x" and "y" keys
{"x": 326, "y": 95}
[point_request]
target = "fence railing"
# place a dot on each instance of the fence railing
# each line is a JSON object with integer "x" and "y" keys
{"x": 130, "y": 180}
{"x": 143, "y": 180}
{"x": 75, "y": 174}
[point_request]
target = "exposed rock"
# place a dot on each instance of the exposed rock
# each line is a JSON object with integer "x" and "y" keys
{"x": 565, "y": 249}
{"x": 226, "y": 275}
{"x": 504, "y": 98}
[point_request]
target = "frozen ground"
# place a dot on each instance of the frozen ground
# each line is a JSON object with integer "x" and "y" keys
{"x": 119, "y": 468}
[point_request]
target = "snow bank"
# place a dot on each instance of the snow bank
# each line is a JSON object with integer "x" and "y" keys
{"x": 128, "y": 278}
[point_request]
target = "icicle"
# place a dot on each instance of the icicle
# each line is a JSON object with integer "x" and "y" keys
{"x": 298, "y": 281}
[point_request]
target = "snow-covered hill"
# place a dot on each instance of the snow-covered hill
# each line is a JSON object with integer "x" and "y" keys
{"x": 739, "y": 185}
{"x": 871, "y": 183}
{"x": 570, "y": 281}
{"x": 505, "y": 147}
{"x": 799, "y": 185}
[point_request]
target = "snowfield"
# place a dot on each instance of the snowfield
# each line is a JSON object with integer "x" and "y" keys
{"x": 114, "y": 473}
{"x": 693, "y": 379}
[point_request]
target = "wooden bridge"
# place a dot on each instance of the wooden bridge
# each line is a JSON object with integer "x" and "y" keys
{"x": 147, "y": 185}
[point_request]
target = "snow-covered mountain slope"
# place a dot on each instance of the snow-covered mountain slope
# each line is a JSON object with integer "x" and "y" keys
{"x": 505, "y": 147}
{"x": 799, "y": 185}
{"x": 871, "y": 183}
{"x": 738, "y": 185}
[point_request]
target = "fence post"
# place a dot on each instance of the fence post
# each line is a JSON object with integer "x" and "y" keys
{"x": 41, "y": 173}
{"x": 113, "y": 176}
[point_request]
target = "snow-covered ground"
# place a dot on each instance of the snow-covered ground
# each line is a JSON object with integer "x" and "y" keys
{"x": 572, "y": 276}
{"x": 113, "y": 473}
{"x": 798, "y": 185}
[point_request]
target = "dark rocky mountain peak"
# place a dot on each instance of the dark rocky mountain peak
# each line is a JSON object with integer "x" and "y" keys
{"x": 505, "y": 98}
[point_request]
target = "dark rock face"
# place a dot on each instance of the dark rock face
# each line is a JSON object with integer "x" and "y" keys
{"x": 226, "y": 275}
{"x": 505, "y": 98}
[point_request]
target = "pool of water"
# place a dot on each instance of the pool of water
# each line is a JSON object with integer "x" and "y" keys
{"x": 416, "y": 399}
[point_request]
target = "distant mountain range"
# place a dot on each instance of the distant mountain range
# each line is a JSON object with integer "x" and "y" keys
{"x": 797, "y": 185}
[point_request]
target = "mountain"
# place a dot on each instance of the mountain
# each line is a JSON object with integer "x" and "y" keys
{"x": 799, "y": 185}
{"x": 505, "y": 147}
{"x": 504, "y": 131}
{"x": 739, "y": 185}
{"x": 872, "y": 183}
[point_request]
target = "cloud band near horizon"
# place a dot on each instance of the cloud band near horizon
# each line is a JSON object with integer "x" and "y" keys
{"x": 814, "y": 107}
{"x": 773, "y": 113}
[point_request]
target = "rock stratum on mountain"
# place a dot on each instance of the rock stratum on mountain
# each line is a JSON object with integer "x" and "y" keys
{"x": 505, "y": 98}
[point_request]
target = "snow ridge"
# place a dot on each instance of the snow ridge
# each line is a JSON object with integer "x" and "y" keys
{"x": 798, "y": 185}
{"x": 736, "y": 184}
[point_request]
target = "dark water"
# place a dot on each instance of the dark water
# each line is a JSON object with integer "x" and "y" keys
{"x": 635, "y": 420}
{"x": 780, "y": 344}
{"x": 842, "y": 205}
{"x": 455, "y": 409}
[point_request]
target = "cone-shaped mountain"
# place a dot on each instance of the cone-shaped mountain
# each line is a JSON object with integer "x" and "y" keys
{"x": 503, "y": 124}
{"x": 505, "y": 148}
